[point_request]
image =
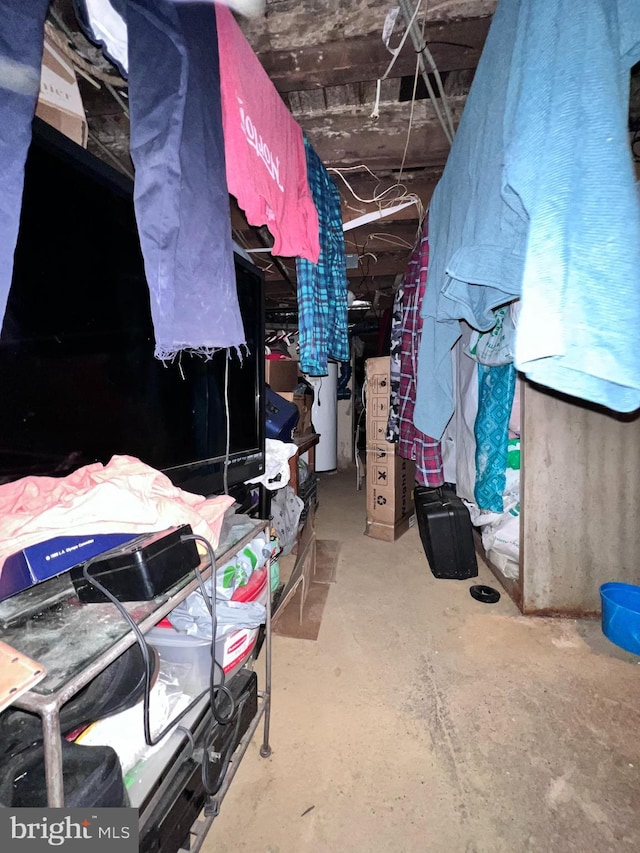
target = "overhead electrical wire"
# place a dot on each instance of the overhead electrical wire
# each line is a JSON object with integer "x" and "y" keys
{"x": 392, "y": 239}
{"x": 395, "y": 54}
{"x": 413, "y": 103}
{"x": 397, "y": 192}
{"x": 423, "y": 52}
{"x": 377, "y": 196}
{"x": 390, "y": 196}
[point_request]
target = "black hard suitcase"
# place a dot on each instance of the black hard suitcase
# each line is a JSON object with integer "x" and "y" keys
{"x": 446, "y": 533}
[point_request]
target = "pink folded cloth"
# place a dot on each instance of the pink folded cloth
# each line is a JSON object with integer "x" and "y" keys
{"x": 121, "y": 497}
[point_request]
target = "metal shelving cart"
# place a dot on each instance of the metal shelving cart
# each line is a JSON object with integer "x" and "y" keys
{"x": 76, "y": 641}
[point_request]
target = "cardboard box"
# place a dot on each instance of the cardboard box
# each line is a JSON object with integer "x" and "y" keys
{"x": 59, "y": 101}
{"x": 390, "y": 481}
{"x": 390, "y": 478}
{"x": 304, "y": 402}
{"x": 281, "y": 374}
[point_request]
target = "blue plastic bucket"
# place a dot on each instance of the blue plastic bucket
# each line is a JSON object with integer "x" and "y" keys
{"x": 621, "y": 615}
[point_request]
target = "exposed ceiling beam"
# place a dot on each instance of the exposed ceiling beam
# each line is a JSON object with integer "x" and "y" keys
{"x": 455, "y": 45}
{"x": 363, "y": 287}
{"x": 351, "y": 136}
{"x": 291, "y": 22}
{"x": 383, "y": 264}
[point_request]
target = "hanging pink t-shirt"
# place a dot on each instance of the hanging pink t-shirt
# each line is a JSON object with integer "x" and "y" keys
{"x": 264, "y": 148}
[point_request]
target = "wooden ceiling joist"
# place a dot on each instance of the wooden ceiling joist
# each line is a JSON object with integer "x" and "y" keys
{"x": 455, "y": 45}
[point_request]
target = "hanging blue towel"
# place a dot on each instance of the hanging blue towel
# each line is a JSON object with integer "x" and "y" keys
{"x": 569, "y": 162}
{"x": 538, "y": 200}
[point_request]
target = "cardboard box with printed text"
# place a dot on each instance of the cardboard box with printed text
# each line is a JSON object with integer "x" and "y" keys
{"x": 59, "y": 100}
{"x": 390, "y": 478}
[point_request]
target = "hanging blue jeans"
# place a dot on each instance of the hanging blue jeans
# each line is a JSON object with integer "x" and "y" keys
{"x": 21, "y": 40}
{"x": 181, "y": 198}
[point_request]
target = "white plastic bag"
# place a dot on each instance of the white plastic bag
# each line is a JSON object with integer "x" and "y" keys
{"x": 497, "y": 346}
{"x": 192, "y": 616}
{"x": 501, "y": 541}
{"x": 277, "y": 472}
{"x": 238, "y": 570}
{"x": 286, "y": 509}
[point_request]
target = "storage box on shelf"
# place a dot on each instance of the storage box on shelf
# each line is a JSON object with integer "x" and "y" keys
{"x": 281, "y": 374}
{"x": 59, "y": 100}
{"x": 71, "y": 665}
{"x": 304, "y": 402}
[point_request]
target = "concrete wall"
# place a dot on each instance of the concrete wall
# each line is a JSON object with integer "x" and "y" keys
{"x": 580, "y": 502}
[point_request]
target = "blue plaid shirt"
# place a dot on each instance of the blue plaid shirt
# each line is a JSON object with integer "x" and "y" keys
{"x": 322, "y": 287}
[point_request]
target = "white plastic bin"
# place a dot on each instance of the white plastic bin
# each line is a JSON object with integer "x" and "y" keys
{"x": 193, "y": 655}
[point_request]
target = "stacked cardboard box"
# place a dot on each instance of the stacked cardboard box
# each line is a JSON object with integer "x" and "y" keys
{"x": 304, "y": 402}
{"x": 281, "y": 374}
{"x": 59, "y": 101}
{"x": 390, "y": 478}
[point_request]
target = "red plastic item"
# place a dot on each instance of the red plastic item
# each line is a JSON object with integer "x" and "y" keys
{"x": 252, "y": 590}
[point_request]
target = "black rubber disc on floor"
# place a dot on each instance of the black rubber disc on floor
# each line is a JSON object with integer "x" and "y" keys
{"x": 485, "y": 594}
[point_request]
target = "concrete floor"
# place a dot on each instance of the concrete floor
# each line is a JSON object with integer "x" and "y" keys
{"x": 422, "y": 720}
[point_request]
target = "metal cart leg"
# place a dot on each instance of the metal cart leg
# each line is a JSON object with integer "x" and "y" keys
{"x": 53, "y": 755}
{"x": 265, "y": 749}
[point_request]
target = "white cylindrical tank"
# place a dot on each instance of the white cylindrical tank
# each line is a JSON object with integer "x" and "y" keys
{"x": 324, "y": 417}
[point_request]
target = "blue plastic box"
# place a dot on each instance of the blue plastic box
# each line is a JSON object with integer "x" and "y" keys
{"x": 47, "y": 559}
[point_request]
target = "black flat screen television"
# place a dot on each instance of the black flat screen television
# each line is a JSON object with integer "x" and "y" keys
{"x": 78, "y": 379}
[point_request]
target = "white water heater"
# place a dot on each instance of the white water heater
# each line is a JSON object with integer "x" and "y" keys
{"x": 324, "y": 415}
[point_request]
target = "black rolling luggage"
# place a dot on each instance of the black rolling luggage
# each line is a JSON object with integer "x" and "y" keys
{"x": 446, "y": 533}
